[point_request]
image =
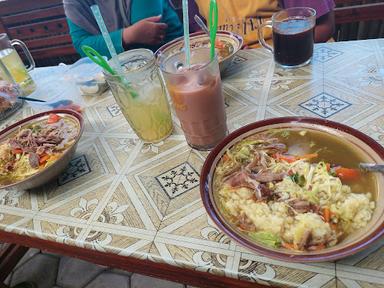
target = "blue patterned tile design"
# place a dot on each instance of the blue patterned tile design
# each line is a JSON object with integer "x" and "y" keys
{"x": 114, "y": 110}
{"x": 324, "y": 54}
{"x": 238, "y": 59}
{"x": 77, "y": 167}
{"x": 179, "y": 180}
{"x": 325, "y": 105}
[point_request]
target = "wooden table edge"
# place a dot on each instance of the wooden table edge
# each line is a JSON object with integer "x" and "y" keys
{"x": 146, "y": 267}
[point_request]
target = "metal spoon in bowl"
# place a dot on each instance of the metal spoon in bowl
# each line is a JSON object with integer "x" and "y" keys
{"x": 30, "y": 99}
{"x": 201, "y": 24}
{"x": 372, "y": 167}
{"x": 60, "y": 104}
{"x": 204, "y": 27}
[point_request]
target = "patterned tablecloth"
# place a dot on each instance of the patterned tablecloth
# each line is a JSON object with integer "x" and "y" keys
{"x": 122, "y": 196}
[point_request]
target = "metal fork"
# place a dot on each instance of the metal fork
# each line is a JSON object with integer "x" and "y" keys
{"x": 372, "y": 167}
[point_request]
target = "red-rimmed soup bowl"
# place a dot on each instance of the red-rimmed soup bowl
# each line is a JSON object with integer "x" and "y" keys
{"x": 55, "y": 169}
{"x": 230, "y": 41}
{"x": 370, "y": 151}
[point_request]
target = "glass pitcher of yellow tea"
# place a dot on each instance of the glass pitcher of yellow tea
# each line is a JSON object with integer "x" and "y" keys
{"x": 15, "y": 66}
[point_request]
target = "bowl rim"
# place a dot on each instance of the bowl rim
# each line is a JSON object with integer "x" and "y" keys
{"x": 328, "y": 256}
{"x": 24, "y": 121}
{"x": 232, "y": 35}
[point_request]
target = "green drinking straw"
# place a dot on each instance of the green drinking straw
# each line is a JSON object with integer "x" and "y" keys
{"x": 213, "y": 22}
{"x": 115, "y": 61}
{"x": 99, "y": 60}
{"x": 186, "y": 33}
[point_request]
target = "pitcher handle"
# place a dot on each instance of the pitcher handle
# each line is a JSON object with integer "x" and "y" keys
{"x": 32, "y": 65}
{"x": 261, "y": 35}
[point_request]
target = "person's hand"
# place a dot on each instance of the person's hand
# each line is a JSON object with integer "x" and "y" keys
{"x": 148, "y": 31}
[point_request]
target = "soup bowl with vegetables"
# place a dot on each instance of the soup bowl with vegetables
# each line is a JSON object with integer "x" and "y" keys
{"x": 291, "y": 189}
{"x": 37, "y": 149}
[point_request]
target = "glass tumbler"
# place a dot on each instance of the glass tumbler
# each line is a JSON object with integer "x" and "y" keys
{"x": 141, "y": 95}
{"x": 197, "y": 97}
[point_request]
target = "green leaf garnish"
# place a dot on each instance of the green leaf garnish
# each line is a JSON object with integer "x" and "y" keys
{"x": 266, "y": 238}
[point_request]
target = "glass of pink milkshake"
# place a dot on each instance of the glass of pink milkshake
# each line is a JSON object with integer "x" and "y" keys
{"x": 197, "y": 97}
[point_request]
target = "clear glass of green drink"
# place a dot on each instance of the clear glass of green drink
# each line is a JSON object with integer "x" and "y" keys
{"x": 141, "y": 95}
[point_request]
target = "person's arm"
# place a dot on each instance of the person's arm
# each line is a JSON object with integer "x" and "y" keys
{"x": 169, "y": 16}
{"x": 325, "y": 27}
{"x": 193, "y": 10}
{"x": 81, "y": 37}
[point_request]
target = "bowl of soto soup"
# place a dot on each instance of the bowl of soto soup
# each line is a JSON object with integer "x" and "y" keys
{"x": 38, "y": 148}
{"x": 227, "y": 45}
{"x": 291, "y": 189}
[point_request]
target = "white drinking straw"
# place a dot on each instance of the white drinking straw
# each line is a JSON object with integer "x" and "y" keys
{"x": 104, "y": 31}
{"x": 186, "y": 33}
{"x": 115, "y": 60}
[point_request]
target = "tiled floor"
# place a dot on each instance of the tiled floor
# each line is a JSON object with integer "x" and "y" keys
{"x": 55, "y": 271}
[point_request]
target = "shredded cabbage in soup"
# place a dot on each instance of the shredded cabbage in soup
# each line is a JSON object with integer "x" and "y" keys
{"x": 295, "y": 201}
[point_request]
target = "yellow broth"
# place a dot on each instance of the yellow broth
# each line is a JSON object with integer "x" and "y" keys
{"x": 331, "y": 149}
{"x": 225, "y": 51}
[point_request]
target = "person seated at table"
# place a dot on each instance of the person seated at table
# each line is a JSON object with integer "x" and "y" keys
{"x": 131, "y": 24}
{"x": 325, "y": 17}
{"x": 244, "y": 16}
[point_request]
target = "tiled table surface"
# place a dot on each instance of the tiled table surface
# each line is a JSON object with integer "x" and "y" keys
{"x": 125, "y": 197}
